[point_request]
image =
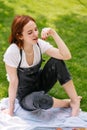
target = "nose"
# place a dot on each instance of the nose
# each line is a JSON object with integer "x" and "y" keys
{"x": 35, "y": 33}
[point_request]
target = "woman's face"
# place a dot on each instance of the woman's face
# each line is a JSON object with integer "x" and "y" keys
{"x": 30, "y": 33}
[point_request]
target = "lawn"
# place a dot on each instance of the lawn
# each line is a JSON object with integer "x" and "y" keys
{"x": 69, "y": 19}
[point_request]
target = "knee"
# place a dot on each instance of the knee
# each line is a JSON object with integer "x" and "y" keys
{"x": 43, "y": 100}
{"x": 37, "y": 100}
{"x": 57, "y": 61}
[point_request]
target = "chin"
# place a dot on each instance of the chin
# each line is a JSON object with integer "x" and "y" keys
{"x": 35, "y": 42}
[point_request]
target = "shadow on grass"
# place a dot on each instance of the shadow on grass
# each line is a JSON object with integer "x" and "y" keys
{"x": 83, "y": 3}
{"x": 73, "y": 29}
{"x": 6, "y": 13}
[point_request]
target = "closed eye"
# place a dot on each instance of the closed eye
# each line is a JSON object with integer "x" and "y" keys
{"x": 30, "y": 32}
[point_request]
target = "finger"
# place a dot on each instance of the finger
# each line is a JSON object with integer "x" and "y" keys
{"x": 44, "y": 34}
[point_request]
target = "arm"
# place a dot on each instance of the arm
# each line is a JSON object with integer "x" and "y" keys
{"x": 13, "y": 83}
{"x": 62, "y": 52}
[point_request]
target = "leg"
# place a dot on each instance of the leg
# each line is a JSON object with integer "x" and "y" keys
{"x": 56, "y": 70}
{"x": 36, "y": 100}
{"x": 61, "y": 103}
{"x": 75, "y": 99}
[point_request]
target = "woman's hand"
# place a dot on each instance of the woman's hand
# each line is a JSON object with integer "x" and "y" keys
{"x": 62, "y": 52}
{"x": 7, "y": 111}
{"x": 47, "y": 32}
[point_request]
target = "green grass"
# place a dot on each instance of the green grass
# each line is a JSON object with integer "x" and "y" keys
{"x": 69, "y": 19}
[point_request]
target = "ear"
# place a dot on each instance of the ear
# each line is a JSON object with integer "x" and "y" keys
{"x": 19, "y": 36}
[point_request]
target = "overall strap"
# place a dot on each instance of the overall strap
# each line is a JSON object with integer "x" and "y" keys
{"x": 40, "y": 53}
{"x": 40, "y": 50}
{"x": 21, "y": 58}
{"x": 21, "y": 55}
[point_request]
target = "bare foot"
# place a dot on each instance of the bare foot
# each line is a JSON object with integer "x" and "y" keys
{"x": 66, "y": 102}
{"x": 75, "y": 105}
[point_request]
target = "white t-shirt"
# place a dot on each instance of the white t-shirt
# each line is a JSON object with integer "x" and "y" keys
{"x": 12, "y": 54}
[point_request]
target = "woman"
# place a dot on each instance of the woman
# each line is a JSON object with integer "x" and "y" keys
{"x": 27, "y": 81}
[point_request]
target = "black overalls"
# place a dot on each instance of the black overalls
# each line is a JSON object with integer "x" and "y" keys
{"x": 34, "y": 83}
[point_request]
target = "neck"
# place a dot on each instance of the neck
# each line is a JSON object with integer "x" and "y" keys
{"x": 28, "y": 48}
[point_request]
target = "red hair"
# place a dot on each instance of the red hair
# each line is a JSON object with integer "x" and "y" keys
{"x": 17, "y": 28}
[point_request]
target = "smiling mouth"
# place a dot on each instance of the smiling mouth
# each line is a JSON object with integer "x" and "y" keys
{"x": 35, "y": 39}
